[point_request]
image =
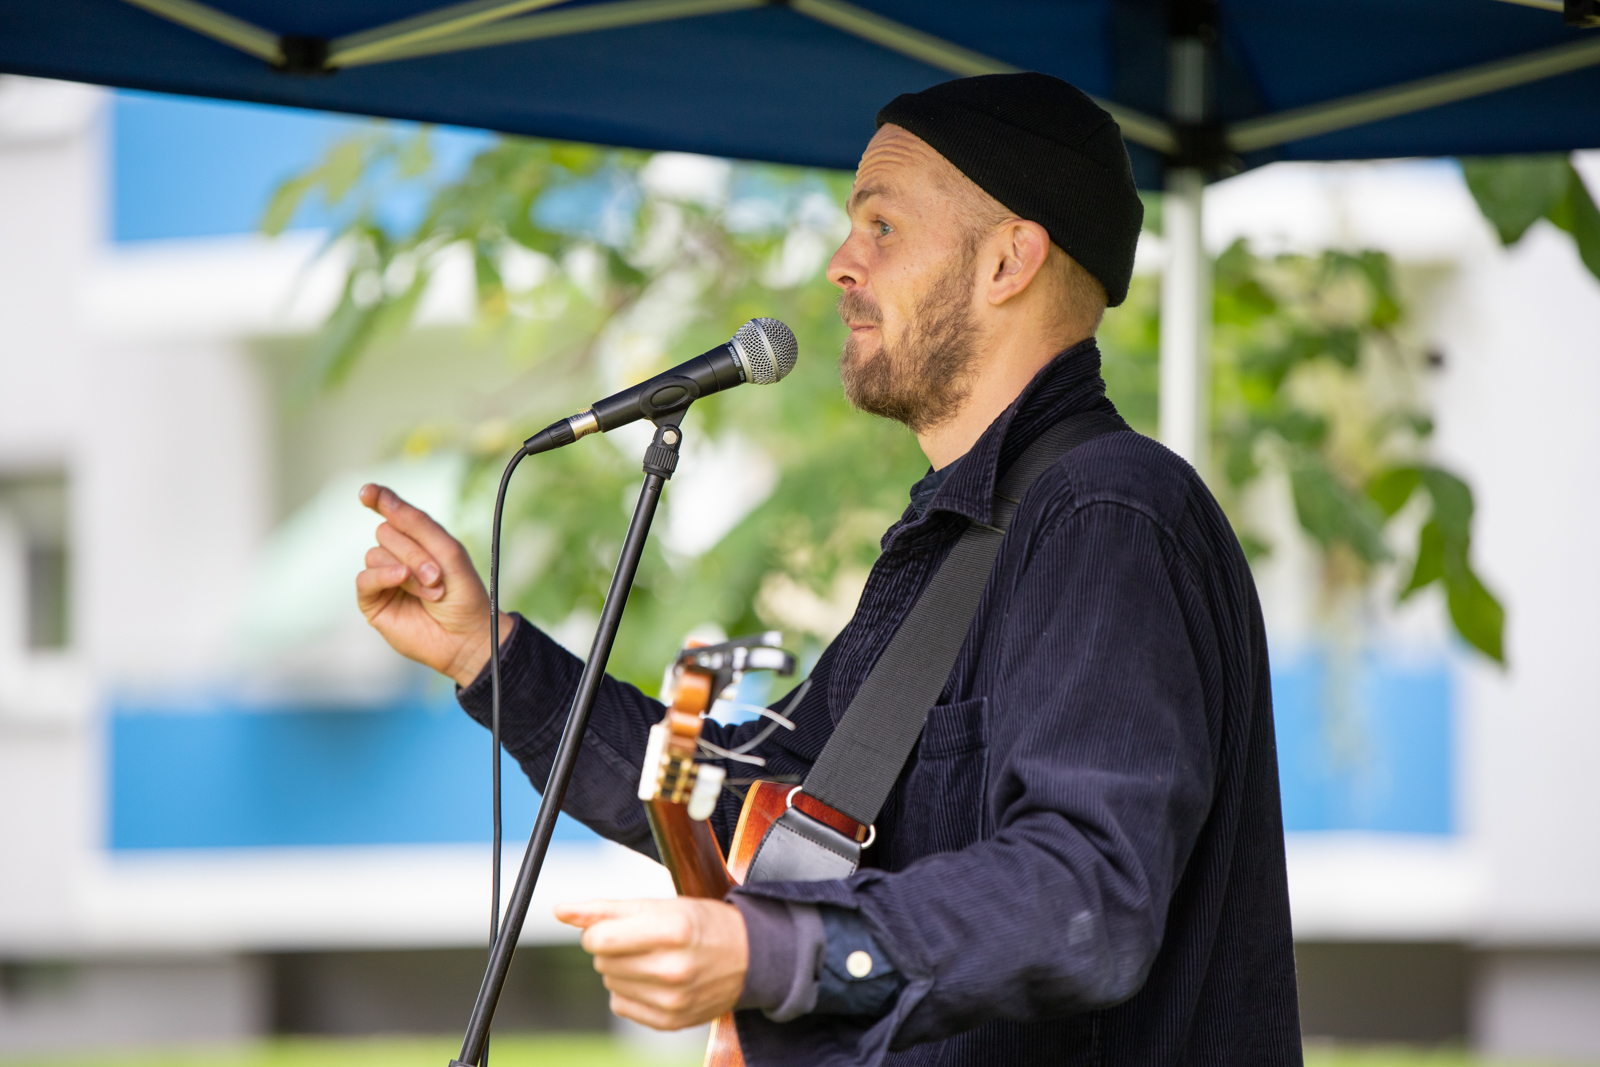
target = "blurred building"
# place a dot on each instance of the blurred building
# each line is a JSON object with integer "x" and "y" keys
{"x": 229, "y": 810}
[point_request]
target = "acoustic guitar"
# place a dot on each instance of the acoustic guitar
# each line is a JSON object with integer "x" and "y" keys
{"x": 681, "y": 793}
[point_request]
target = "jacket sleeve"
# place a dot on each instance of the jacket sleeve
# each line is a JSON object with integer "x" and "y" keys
{"x": 538, "y": 681}
{"x": 1099, "y": 778}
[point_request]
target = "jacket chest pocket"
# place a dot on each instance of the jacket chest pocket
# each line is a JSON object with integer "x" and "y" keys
{"x": 943, "y": 801}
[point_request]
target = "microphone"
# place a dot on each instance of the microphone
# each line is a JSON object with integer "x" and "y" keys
{"x": 762, "y": 352}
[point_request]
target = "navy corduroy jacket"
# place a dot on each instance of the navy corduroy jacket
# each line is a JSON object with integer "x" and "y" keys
{"x": 1083, "y": 862}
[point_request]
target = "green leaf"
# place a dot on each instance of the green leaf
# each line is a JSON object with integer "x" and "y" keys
{"x": 1391, "y": 489}
{"x": 1239, "y": 461}
{"x": 1256, "y": 549}
{"x": 1298, "y": 427}
{"x": 415, "y": 157}
{"x": 1514, "y": 192}
{"x": 286, "y": 200}
{"x": 1478, "y": 616}
{"x": 623, "y": 272}
{"x": 1583, "y": 221}
{"x": 1343, "y": 344}
{"x": 1385, "y": 310}
{"x": 342, "y": 341}
{"x": 1235, "y": 265}
{"x": 1452, "y": 505}
{"x": 1443, "y": 548}
{"x": 343, "y": 167}
{"x": 1152, "y": 211}
{"x": 1331, "y": 513}
{"x": 1429, "y": 566}
{"x": 1271, "y": 364}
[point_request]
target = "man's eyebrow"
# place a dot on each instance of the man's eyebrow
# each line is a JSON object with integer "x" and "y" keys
{"x": 866, "y": 191}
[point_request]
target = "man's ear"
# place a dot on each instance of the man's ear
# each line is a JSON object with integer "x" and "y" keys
{"x": 1022, "y": 248}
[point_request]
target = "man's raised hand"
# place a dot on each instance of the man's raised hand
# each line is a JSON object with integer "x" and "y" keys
{"x": 421, "y": 592}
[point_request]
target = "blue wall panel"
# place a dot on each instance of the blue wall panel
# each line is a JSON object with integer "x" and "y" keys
{"x": 1376, "y": 756}
{"x": 183, "y": 167}
{"x": 1376, "y": 753}
{"x": 229, "y": 776}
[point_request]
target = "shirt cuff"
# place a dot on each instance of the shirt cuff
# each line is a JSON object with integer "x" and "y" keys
{"x": 478, "y": 689}
{"x": 857, "y": 977}
{"x": 786, "y": 944}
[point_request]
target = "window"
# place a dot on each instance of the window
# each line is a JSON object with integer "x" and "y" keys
{"x": 33, "y": 519}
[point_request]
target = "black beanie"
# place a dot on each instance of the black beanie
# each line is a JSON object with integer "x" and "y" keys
{"x": 1046, "y": 152}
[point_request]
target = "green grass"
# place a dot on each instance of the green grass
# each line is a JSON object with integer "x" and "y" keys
{"x": 577, "y": 1051}
{"x": 1323, "y": 1056}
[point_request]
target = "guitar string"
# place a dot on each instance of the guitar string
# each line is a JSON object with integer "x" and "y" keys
{"x": 778, "y": 719}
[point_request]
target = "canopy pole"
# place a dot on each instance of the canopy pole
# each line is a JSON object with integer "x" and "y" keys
{"x": 217, "y": 25}
{"x": 1185, "y": 319}
{"x": 1186, "y": 277}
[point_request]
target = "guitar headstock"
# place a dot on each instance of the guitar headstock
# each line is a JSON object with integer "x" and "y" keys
{"x": 700, "y": 675}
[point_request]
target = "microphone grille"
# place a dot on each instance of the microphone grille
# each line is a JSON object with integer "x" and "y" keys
{"x": 767, "y": 349}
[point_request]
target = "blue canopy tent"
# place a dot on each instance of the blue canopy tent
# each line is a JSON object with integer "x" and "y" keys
{"x": 1200, "y": 87}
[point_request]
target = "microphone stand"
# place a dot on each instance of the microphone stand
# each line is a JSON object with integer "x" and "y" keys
{"x": 660, "y": 460}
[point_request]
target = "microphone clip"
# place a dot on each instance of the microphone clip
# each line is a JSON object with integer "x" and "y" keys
{"x": 668, "y": 396}
{"x": 661, "y": 458}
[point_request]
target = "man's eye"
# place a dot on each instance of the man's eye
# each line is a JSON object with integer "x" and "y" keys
{"x": 884, "y": 229}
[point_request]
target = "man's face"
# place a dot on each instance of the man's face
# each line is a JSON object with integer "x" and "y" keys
{"x": 907, "y": 275}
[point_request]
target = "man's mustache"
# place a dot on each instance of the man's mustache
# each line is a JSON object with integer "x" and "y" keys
{"x": 857, "y": 306}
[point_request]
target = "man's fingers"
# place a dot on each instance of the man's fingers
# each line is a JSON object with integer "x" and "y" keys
{"x": 375, "y": 585}
{"x": 639, "y": 1012}
{"x": 379, "y": 556}
{"x": 407, "y": 551}
{"x": 589, "y": 912}
{"x": 652, "y": 995}
{"x": 625, "y": 927}
{"x": 656, "y": 967}
{"x": 413, "y": 522}
{"x": 638, "y": 933}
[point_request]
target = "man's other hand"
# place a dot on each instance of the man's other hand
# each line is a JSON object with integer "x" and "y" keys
{"x": 668, "y": 963}
{"x": 421, "y": 592}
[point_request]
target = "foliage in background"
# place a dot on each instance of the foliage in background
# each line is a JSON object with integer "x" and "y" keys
{"x": 1514, "y": 192}
{"x": 595, "y": 267}
{"x": 1313, "y": 379}
{"x": 583, "y": 260}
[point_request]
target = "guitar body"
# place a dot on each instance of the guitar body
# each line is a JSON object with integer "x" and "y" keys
{"x": 679, "y": 794}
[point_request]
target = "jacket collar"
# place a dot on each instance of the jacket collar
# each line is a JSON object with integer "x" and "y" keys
{"x": 1067, "y": 385}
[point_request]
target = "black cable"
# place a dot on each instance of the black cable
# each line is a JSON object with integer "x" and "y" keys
{"x": 494, "y": 706}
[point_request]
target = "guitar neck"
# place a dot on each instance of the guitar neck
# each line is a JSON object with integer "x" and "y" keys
{"x": 689, "y": 850}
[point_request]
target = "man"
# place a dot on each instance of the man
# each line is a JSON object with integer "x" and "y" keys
{"x": 1082, "y": 863}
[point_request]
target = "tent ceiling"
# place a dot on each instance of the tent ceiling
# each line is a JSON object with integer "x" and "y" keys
{"x": 798, "y": 81}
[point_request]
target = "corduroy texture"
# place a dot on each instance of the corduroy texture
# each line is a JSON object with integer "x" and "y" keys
{"x": 1084, "y": 865}
{"x": 1044, "y": 150}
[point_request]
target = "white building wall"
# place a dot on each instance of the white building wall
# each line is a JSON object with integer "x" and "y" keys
{"x": 1515, "y": 405}
{"x": 1520, "y": 414}
{"x": 51, "y": 196}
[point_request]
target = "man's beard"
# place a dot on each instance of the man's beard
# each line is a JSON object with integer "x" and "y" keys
{"x": 923, "y": 376}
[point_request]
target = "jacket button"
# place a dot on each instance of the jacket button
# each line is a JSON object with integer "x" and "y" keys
{"x": 858, "y": 963}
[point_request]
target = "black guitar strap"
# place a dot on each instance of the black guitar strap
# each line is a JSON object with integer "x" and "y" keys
{"x": 868, "y": 749}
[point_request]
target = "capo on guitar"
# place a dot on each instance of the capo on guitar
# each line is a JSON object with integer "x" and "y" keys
{"x": 700, "y": 675}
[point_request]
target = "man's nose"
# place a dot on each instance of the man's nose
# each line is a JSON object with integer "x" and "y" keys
{"x": 846, "y": 269}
